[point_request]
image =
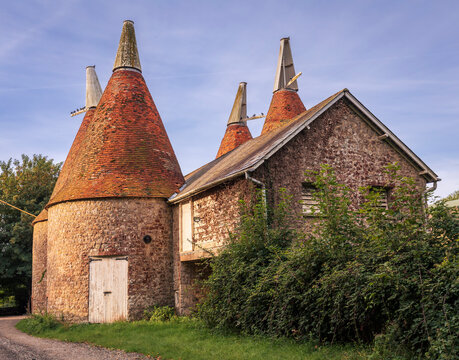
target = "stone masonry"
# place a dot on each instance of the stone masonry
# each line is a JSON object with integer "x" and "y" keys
{"x": 340, "y": 137}
{"x": 39, "y": 276}
{"x": 218, "y": 212}
{"x": 122, "y": 181}
{"x": 109, "y": 227}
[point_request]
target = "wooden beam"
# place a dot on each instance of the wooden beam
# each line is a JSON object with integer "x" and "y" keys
{"x": 14, "y": 207}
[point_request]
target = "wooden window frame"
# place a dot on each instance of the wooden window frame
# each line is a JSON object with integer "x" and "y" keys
{"x": 384, "y": 191}
{"x": 309, "y": 205}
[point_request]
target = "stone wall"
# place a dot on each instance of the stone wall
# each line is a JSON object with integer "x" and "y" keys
{"x": 109, "y": 227}
{"x": 339, "y": 137}
{"x": 342, "y": 139}
{"x": 39, "y": 276}
{"x": 218, "y": 212}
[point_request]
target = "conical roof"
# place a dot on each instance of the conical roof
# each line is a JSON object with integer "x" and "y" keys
{"x": 285, "y": 103}
{"x": 237, "y": 131}
{"x": 124, "y": 150}
{"x": 43, "y": 216}
{"x": 93, "y": 94}
{"x": 235, "y": 135}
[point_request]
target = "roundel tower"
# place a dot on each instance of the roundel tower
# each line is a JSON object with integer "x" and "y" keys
{"x": 109, "y": 249}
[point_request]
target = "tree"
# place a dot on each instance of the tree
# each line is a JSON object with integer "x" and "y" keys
{"x": 26, "y": 184}
{"x": 453, "y": 196}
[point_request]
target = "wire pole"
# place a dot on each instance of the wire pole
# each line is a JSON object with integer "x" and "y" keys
{"x": 14, "y": 207}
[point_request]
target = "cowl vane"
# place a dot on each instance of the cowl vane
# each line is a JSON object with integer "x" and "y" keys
{"x": 285, "y": 69}
{"x": 93, "y": 89}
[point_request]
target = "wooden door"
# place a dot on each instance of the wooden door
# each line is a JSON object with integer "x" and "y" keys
{"x": 108, "y": 289}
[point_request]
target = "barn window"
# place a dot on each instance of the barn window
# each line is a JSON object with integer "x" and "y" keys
{"x": 308, "y": 201}
{"x": 382, "y": 195}
{"x": 186, "y": 226}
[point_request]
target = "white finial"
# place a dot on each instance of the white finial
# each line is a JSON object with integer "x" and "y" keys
{"x": 93, "y": 89}
{"x": 285, "y": 70}
{"x": 239, "y": 110}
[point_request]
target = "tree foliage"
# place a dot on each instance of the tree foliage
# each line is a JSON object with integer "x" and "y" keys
{"x": 26, "y": 184}
{"x": 453, "y": 196}
{"x": 389, "y": 274}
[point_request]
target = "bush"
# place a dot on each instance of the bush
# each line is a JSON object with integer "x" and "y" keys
{"x": 159, "y": 313}
{"x": 357, "y": 274}
{"x": 241, "y": 286}
{"x": 37, "y": 324}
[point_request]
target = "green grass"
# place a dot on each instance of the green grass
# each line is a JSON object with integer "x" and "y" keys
{"x": 186, "y": 340}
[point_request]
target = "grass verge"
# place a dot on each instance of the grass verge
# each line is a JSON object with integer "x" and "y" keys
{"x": 184, "y": 339}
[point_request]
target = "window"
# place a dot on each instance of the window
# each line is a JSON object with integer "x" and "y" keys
{"x": 383, "y": 195}
{"x": 307, "y": 200}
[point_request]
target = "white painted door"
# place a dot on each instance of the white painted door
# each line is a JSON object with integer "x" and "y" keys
{"x": 108, "y": 289}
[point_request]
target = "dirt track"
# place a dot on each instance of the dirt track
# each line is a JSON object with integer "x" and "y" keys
{"x": 15, "y": 345}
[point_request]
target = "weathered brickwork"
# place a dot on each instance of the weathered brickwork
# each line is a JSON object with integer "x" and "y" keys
{"x": 340, "y": 138}
{"x": 285, "y": 105}
{"x": 39, "y": 276}
{"x": 235, "y": 135}
{"x": 109, "y": 227}
{"x": 70, "y": 161}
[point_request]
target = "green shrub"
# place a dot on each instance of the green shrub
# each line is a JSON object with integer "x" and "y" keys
{"x": 159, "y": 313}
{"x": 357, "y": 274}
{"x": 37, "y": 324}
{"x": 241, "y": 287}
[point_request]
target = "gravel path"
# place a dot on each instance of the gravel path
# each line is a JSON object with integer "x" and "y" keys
{"x": 15, "y": 345}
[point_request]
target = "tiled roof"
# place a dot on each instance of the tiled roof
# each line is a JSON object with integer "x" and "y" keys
{"x": 253, "y": 153}
{"x": 123, "y": 151}
{"x": 285, "y": 105}
{"x": 43, "y": 216}
{"x": 236, "y": 134}
{"x": 246, "y": 156}
{"x": 69, "y": 163}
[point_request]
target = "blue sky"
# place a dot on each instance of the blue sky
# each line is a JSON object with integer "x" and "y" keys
{"x": 399, "y": 58}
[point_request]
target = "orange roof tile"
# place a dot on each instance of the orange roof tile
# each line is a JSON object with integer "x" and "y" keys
{"x": 285, "y": 105}
{"x": 236, "y": 134}
{"x": 70, "y": 160}
{"x": 123, "y": 150}
{"x": 251, "y": 154}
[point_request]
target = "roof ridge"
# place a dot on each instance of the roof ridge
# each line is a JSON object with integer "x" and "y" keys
{"x": 249, "y": 151}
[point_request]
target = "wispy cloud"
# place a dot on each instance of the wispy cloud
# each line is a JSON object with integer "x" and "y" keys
{"x": 194, "y": 53}
{"x": 19, "y": 33}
